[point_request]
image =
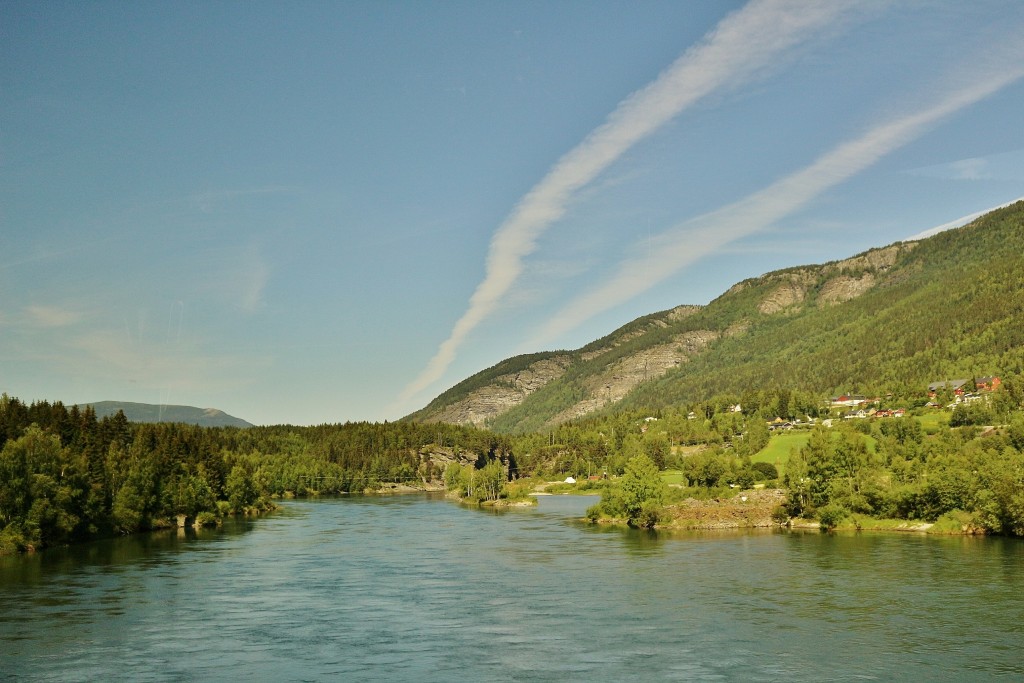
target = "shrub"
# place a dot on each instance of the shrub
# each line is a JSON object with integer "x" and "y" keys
{"x": 765, "y": 471}
{"x": 780, "y": 515}
{"x": 206, "y": 518}
{"x": 648, "y": 516}
{"x": 831, "y": 515}
{"x": 955, "y": 522}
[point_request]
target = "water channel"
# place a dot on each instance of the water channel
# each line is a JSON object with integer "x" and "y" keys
{"x": 417, "y": 588}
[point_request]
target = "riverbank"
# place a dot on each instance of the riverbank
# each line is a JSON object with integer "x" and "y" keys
{"x": 758, "y": 509}
{"x": 751, "y": 509}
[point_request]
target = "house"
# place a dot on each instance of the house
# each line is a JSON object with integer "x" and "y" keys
{"x": 987, "y": 383}
{"x": 955, "y": 385}
{"x": 848, "y": 400}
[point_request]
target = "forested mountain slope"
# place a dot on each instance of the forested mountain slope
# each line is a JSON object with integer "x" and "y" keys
{"x": 891, "y": 319}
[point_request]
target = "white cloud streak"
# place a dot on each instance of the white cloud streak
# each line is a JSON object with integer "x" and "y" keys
{"x": 51, "y": 316}
{"x": 744, "y": 45}
{"x": 963, "y": 220}
{"x": 683, "y": 245}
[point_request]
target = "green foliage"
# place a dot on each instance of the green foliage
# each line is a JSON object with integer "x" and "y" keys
{"x": 67, "y": 476}
{"x": 765, "y": 471}
{"x": 638, "y": 495}
{"x": 705, "y": 469}
{"x": 240, "y": 490}
{"x": 977, "y": 413}
{"x": 831, "y": 515}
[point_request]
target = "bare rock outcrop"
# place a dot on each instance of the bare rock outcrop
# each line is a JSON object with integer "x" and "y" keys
{"x": 504, "y": 393}
{"x": 786, "y": 295}
{"x": 843, "y": 288}
{"x": 621, "y": 377}
{"x": 877, "y": 259}
{"x": 680, "y": 312}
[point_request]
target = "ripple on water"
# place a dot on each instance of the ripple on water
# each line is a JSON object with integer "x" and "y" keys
{"x": 415, "y": 589}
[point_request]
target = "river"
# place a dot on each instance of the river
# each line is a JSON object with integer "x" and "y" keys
{"x": 417, "y": 588}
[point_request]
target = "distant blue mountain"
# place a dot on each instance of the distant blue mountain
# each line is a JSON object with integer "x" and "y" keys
{"x": 148, "y": 412}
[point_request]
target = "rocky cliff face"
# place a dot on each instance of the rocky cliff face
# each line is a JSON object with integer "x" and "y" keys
{"x": 503, "y": 393}
{"x": 615, "y": 380}
{"x": 830, "y": 284}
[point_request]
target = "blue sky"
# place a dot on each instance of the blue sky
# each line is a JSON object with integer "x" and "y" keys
{"x": 318, "y": 212}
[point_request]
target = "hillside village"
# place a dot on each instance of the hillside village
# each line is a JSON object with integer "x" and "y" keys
{"x": 860, "y": 407}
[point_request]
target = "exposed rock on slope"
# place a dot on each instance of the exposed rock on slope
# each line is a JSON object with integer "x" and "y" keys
{"x": 843, "y": 288}
{"x": 843, "y": 280}
{"x": 786, "y": 295}
{"x": 504, "y": 392}
{"x": 615, "y": 380}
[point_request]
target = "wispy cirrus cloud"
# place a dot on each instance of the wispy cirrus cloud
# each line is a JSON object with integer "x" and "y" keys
{"x": 744, "y": 45}
{"x": 1005, "y": 166}
{"x": 51, "y": 316}
{"x": 164, "y": 365}
{"x": 683, "y": 245}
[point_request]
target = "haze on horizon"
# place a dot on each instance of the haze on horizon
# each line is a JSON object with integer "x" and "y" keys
{"x": 322, "y": 212}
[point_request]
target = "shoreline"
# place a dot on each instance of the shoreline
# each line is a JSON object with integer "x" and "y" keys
{"x": 754, "y": 509}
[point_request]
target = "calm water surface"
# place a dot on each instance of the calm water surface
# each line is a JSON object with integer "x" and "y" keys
{"x": 420, "y": 589}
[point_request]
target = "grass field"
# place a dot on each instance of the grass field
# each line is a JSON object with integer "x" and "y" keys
{"x": 778, "y": 448}
{"x": 673, "y": 477}
{"x": 934, "y": 421}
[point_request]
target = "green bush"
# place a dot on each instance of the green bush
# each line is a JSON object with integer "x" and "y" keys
{"x": 780, "y": 515}
{"x": 765, "y": 471}
{"x": 648, "y": 516}
{"x": 206, "y": 518}
{"x": 831, "y": 515}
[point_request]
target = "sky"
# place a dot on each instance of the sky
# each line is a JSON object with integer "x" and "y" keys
{"x": 322, "y": 212}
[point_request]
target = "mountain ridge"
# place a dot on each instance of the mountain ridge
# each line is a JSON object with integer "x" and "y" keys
{"x": 891, "y": 315}
{"x": 149, "y": 412}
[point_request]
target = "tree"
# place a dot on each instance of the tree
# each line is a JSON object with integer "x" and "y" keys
{"x": 42, "y": 488}
{"x": 240, "y": 491}
{"x": 755, "y": 438}
{"x": 657, "y": 447}
{"x": 642, "y": 491}
{"x": 821, "y": 466}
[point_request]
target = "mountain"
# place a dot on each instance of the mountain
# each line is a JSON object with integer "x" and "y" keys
{"x": 147, "y": 412}
{"x": 893, "y": 318}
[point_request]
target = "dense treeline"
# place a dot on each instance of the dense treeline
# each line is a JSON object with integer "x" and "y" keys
{"x": 605, "y": 442}
{"x": 892, "y": 469}
{"x": 67, "y": 476}
{"x": 966, "y": 471}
